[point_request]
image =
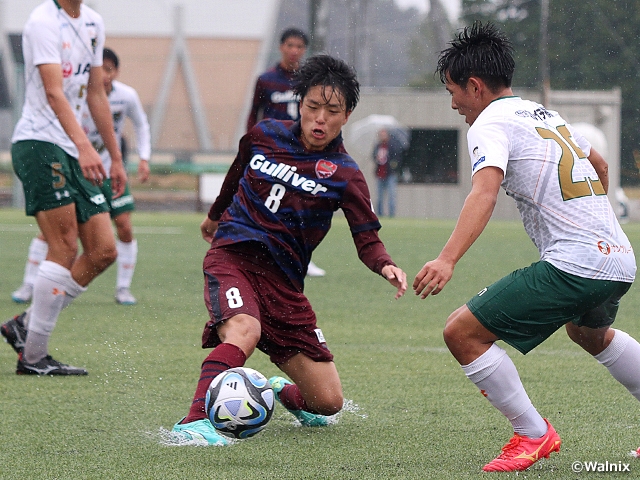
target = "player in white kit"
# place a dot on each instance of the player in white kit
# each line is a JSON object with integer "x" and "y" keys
{"x": 61, "y": 172}
{"x": 559, "y": 184}
{"x": 124, "y": 103}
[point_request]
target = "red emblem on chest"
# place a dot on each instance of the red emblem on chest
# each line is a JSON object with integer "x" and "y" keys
{"x": 325, "y": 168}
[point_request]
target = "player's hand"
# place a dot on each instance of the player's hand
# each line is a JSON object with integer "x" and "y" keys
{"x": 91, "y": 164}
{"x": 432, "y": 278}
{"x": 118, "y": 179}
{"x": 208, "y": 229}
{"x": 143, "y": 170}
{"x": 396, "y": 277}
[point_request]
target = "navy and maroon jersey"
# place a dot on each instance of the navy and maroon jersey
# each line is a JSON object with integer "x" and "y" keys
{"x": 284, "y": 196}
{"x": 274, "y": 97}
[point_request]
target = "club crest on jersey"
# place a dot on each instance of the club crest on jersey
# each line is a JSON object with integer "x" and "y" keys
{"x": 325, "y": 168}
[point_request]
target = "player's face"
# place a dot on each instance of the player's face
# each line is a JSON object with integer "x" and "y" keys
{"x": 109, "y": 73}
{"x": 292, "y": 51}
{"x": 464, "y": 100}
{"x": 322, "y": 115}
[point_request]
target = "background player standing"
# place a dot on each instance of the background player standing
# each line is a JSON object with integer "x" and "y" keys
{"x": 61, "y": 172}
{"x": 275, "y": 207}
{"x": 586, "y": 262}
{"x": 124, "y": 103}
{"x": 274, "y": 96}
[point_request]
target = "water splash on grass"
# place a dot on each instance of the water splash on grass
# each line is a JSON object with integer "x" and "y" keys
{"x": 170, "y": 438}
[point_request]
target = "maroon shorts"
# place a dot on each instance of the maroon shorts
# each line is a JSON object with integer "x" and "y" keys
{"x": 241, "y": 282}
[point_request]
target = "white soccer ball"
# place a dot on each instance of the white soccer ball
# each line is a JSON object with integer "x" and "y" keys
{"x": 239, "y": 402}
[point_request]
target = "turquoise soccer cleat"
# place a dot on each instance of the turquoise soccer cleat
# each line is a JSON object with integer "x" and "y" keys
{"x": 200, "y": 432}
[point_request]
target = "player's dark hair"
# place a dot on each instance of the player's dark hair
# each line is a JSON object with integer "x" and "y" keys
{"x": 480, "y": 51}
{"x": 108, "y": 54}
{"x": 294, "y": 32}
{"x": 327, "y": 71}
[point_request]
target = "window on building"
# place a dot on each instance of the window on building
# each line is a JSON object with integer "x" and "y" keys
{"x": 432, "y": 157}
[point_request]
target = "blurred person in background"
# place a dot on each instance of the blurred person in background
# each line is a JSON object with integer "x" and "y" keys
{"x": 274, "y": 97}
{"x": 387, "y": 157}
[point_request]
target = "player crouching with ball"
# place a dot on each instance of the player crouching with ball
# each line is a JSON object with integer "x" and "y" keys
{"x": 274, "y": 209}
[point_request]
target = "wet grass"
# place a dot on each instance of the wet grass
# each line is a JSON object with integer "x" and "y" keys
{"x": 412, "y": 413}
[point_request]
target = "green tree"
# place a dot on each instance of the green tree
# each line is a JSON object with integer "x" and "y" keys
{"x": 592, "y": 45}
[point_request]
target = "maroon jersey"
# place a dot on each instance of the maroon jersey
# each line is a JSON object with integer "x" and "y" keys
{"x": 274, "y": 97}
{"x": 284, "y": 196}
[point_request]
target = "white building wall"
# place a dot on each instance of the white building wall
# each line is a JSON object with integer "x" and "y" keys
{"x": 250, "y": 19}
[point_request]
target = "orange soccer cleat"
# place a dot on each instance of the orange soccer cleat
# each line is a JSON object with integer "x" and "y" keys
{"x": 522, "y": 452}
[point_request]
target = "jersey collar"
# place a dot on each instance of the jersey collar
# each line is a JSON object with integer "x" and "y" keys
{"x": 502, "y": 98}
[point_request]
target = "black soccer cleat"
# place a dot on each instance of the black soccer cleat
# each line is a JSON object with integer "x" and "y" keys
{"x": 14, "y": 332}
{"x": 47, "y": 366}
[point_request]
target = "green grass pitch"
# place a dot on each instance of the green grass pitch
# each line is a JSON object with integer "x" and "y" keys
{"x": 412, "y": 413}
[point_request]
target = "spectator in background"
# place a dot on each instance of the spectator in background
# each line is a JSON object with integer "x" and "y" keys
{"x": 387, "y": 156}
{"x": 274, "y": 96}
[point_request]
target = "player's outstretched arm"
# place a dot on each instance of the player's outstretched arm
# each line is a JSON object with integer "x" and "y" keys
{"x": 396, "y": 277}
{"x": 208, "y": 229}
{"x": 474, "y": 216}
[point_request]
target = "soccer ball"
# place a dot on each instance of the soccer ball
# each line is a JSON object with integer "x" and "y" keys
{"x": 239, "y": 402}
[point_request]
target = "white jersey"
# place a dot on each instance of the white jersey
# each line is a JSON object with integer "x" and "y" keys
{"x": 51, "y": 36}
{"x": 563, "y": 205}
{"x": 124, "y": 102}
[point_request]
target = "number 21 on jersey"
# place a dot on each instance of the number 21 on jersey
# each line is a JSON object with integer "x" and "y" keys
{"x": 569, "y": 188}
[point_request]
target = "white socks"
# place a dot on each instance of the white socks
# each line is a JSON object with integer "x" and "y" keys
{"x": 497, "y": 378}
{"x": 622, "y": 359}
{"x": 127, "y": 258}
{"x": 53, "y": 290}
{"x": 37, "y": 253}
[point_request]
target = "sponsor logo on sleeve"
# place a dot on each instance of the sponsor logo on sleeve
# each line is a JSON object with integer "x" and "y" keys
{"x": 479, "y": 158}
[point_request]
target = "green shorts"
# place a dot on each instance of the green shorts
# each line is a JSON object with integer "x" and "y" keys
{"x": 527, "y": 306}
{"x": 124, "y": 203}
{"x": 52, "y": 178}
